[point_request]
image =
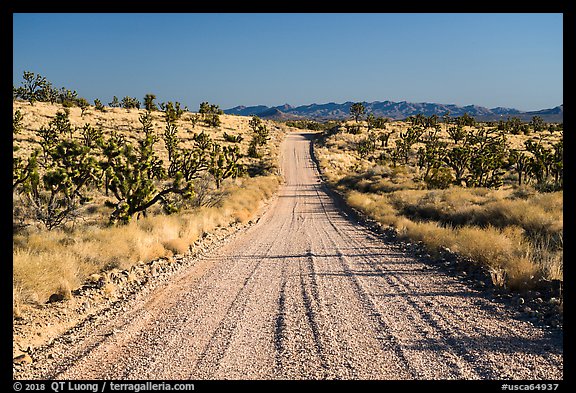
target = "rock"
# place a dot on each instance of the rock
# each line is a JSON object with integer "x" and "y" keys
{"x": 94, "y": 278}
{"x": 22, "y": 359}
{"x": 554, "y": 301}
{"x": 56, "y": 297}
{"x": 518, "y": 301}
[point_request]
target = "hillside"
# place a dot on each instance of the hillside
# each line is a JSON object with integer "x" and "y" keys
{"x": 57, "y": 261}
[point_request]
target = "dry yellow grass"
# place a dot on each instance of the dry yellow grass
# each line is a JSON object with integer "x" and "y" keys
{"x": 49, "y": 261}
{"x": 516, "y": 229}
{"x": 58, "y": 261}
{"x": 501, "y": 248}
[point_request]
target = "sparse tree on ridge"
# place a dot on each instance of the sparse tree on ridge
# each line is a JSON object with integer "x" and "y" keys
{"x": 31, "y": 87}
{"x": 98, "y": 105}
{"x": 130, "y": 102}
{"x": 149, "y": 104}
{"x": 114, "y": 103}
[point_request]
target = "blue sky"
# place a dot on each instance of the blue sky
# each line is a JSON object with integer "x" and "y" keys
{"x": 510, "y": 60}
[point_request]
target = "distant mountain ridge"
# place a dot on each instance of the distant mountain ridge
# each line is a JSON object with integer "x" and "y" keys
{"x": 394, "y": 110}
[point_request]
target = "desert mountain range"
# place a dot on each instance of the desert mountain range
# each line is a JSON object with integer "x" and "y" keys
{"x": 392, "y": 110}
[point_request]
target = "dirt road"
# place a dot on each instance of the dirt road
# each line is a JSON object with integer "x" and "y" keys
{"x": 308, "y": 293}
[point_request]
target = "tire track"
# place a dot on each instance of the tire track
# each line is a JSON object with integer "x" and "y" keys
{"x": 280, "y": 325}
{"x": 435, "y": 321}
{"x": 220, "y": 340}
{"x": 427, "y": 322}
{"x": 388, "y": 341}
{"x": 310, "y": 300}
{"x": 435, "y": 316}
{"x": 307, "y": 293}
{"x": 473, "y": 362}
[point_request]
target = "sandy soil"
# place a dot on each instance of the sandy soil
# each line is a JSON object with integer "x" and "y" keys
{"x": 306, "y": 293}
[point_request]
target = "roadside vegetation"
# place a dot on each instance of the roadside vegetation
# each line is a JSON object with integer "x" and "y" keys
{"x": 491, "y": 192}
{"x": 99, "y": 187}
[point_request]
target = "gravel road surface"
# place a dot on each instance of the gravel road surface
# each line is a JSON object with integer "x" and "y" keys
{"x": 308, "y": 293}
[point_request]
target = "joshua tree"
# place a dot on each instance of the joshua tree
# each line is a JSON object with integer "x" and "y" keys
{"x": 115, "y": 103}
{"x": 521, "y": 162}
{"x": 487, "y": 159}
{"x": 31, "y": 87}
{"x": 210, "y": 114}
{"x": 130, "y": 102}
{"x": 17, "y": 122}
{"x": 458, "y": 159}
{"x": 98, "y": 105}
{"x": 457, "y": 133}
{"x": 537, "y": 123}
{"x": 53, "y": 185}
{"x": 149, "y": 104}
{"x": 132, "y": 174}
{"x": 83, "y": 104}
{"x": 224, "y": 163}
{"x": 172, "y": 111}
{"x": 259, "y": 136}
{"x": 357, "y": 111}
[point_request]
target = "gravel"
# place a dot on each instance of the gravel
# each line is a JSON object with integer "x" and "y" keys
{"x": 305, "y": 293}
